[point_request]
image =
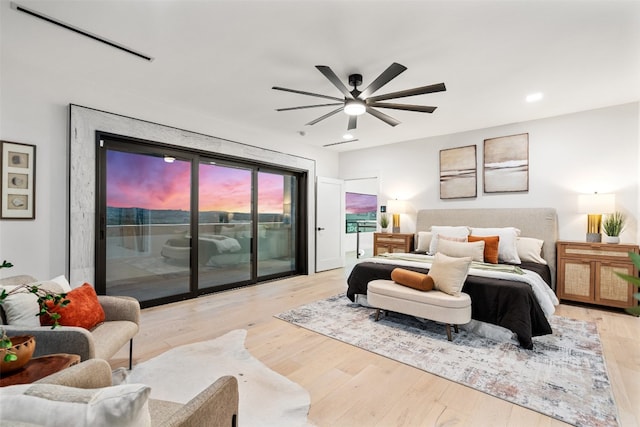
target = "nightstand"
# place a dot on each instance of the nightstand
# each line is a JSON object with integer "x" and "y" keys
{"x": 392, "y": 242}
{"x": 587, "y": 273}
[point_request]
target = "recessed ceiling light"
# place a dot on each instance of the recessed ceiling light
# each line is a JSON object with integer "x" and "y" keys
{"x": 533, "y": 97}
{"x": 347, "y": 136}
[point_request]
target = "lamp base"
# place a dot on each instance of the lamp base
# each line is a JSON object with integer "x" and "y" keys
{"x": 594, "y": 237}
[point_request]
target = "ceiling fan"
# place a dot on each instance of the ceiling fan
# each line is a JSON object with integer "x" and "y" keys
{"x": 356, "y": 102}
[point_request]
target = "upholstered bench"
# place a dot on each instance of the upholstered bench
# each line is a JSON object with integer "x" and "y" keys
{"x": 433, "y": 305}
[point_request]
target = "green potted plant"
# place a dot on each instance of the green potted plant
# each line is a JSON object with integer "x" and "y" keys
{"x": 635, "y": 281}
{"x": 384, "y": 222}
{"x": 613, "y": 225}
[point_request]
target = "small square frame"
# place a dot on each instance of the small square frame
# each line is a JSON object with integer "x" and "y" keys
{"x": 17, "y": 180}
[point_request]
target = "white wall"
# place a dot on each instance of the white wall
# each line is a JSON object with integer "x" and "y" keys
{"x": 584, "y": 152}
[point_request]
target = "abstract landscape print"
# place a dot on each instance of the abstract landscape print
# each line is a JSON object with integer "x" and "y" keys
{"x": 458, "y": 177}
{"x": 506, "y": 164}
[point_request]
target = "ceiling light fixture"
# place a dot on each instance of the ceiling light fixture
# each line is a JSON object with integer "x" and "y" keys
{"x": 169, "y": 159}
{"x": 347, "y": 136}
{"x": 354, "y": 107}
{"x": 534, "y": 97}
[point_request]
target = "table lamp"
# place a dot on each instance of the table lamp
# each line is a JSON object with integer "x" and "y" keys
{"x": 396, "y": 207}
{"x": 594, "y": 205}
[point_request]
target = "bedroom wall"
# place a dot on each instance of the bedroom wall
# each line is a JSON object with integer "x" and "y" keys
{"x": 596, "y": 150}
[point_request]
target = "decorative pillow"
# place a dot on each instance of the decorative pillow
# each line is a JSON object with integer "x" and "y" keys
{"x": 450, "y": 231}
{"x": 21, "y": 308}
{"x": 83, "y": 310}
{"x": 507, "y": 251}
{"x": 530, "y": 249}
{"x": 423, "y": 240}
{"x": 63, "y": 282}
{"x": 449, "y": 273}
{"x": 61, "y": 406}
{"x": 412, "y": 279}
{"x": 491, "y": 244}
{"x": 475, "y": 250}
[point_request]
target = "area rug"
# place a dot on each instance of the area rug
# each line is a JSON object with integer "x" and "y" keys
{"x": 564, "y": 376}
{"x": 266, "y": 397}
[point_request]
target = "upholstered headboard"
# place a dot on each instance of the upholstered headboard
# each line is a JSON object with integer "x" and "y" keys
{"x": 541, "y": 223}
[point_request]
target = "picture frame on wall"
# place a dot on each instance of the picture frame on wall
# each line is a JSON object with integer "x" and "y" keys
{"x": 17, "y": 180}
{"x": 458, "y": 173}
{"x": 506, "y": 164}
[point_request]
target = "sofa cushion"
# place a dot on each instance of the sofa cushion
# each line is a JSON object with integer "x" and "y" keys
{"x": 83, "y": 310}
{"x": 56, "y": 405}
{"x": 21, "y": 308}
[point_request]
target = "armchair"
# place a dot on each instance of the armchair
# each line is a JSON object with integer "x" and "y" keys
{"x": 122, "y": 320}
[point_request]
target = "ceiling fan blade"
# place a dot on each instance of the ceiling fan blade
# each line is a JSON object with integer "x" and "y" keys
{"x": 438, "y": 87}
{"x": 309, "y": 106}
{"x": 353, "y": 122}
{"x": 387, "y": 119}
{"x": 328, "y": 73}
{"x": 313, "y": 122}
{"x": 301, "y": 92}
{"x": 405, "y": 107}
{"x": 387, "y": 75}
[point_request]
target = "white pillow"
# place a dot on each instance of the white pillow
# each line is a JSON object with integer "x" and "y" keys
{"x": 475, "y": 250}
{"x": 60, "y": 406}
{"x": 530, "y": 249}
{"x": 507, "y": 250}
{"x": 21, "y": 308}
{"x": 449, "y": 273}
{"x": 446, "y": 230}
{"x": 63, "y": 282}
{"x": 423, "y": 241}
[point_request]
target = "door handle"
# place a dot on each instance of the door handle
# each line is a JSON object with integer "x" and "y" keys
{"x": 320, "y": 228}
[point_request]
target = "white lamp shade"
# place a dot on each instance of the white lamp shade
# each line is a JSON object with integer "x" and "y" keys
{"x": 596, "y": 203}
{"x": 397, "y": 206}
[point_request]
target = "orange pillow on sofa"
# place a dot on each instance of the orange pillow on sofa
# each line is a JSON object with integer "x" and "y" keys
{"x": 490, "y": 247}
{"x": 83, "y": 310}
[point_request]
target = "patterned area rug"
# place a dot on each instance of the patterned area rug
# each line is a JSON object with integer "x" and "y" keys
{"x": 564, "y": 376}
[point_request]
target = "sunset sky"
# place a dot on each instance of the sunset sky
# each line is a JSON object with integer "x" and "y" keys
{"x": 144, "y": 181}
{"x": 361, "y": 203}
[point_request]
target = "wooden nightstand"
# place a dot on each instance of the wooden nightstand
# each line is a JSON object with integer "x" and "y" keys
{"x": 392, "y": 242}
{"x": 586, "y": 273}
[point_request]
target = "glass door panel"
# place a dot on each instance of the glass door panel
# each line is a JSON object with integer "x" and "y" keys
{"x": 148, "y": 248}
{"x": 225, "y": 225}
{"x": 276, "y": 223}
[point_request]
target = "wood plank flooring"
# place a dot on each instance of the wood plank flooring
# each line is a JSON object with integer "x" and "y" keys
{"x": 352, "y": 387}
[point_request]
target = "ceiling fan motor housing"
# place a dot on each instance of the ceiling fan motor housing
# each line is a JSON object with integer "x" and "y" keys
{"x": 355, "y": 80}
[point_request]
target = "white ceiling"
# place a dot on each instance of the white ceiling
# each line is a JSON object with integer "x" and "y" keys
{"x": 221, "y": 58}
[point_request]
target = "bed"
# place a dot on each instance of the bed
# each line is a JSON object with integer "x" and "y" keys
{"x": 511, "y": 303}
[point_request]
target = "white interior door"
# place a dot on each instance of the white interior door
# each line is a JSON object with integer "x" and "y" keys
{"x": 330, "y": 225}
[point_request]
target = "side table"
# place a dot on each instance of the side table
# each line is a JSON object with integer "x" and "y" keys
{"x": 39, "y": 367}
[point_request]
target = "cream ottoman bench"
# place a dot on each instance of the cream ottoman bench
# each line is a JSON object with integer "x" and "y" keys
{"x": 433, "y": 305}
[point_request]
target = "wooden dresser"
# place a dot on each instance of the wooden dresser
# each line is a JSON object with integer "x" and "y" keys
{"x": 587, "y": 273}
{"x": 392, "y": 242}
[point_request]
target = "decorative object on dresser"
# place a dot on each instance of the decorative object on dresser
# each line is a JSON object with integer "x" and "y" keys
{"x": 384, "y": 222}
{"x": 612, "y": 226}
{"x": 392, "y": 242}
{"x": 396, "y": 207}
{"x": 594, "y": 205}
{"x": 588, "y": 272}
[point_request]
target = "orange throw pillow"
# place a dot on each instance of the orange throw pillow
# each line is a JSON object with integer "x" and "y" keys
{"x": 412, "y": 279}
{"x": 83, "y": 310}
{"x": 490, "y": 247}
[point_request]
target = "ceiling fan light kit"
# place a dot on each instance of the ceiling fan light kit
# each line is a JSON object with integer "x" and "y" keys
{"x": 356, "y": 102}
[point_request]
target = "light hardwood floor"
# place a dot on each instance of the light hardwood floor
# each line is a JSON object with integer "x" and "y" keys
{"x": 353, "y": 387}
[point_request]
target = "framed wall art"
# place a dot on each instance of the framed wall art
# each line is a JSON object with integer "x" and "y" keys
{"x": 18, "y": 179}
{"x": 506, "y": 164}
{"x": 458, "y": 173}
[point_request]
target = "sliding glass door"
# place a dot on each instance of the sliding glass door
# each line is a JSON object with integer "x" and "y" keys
{"x": 174, "y": 224}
